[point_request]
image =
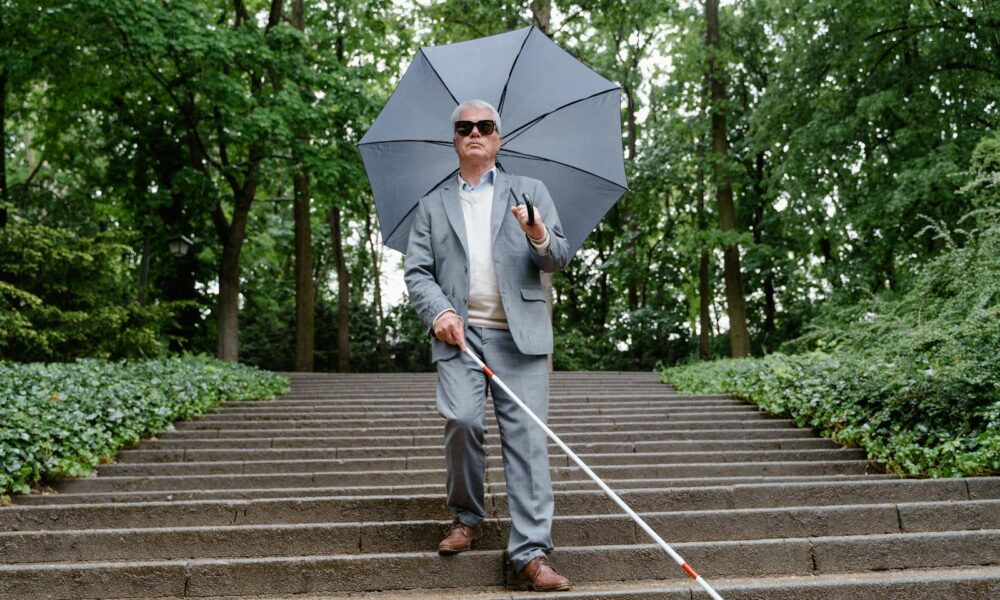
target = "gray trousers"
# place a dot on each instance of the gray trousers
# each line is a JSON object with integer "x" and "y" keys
{"x": 461, "y": 400}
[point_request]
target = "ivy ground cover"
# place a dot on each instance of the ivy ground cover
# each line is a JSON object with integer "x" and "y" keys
{"x": 64, "y": 419}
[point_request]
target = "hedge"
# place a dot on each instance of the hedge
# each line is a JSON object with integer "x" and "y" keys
{"x": 64, "y": 419}
{"x": 915, "y": 421}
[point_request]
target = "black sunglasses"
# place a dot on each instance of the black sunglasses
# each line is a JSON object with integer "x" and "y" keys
{"x": 464, "y": 128}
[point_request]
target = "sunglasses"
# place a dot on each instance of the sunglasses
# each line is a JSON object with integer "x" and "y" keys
{"x": 464, "y": 128}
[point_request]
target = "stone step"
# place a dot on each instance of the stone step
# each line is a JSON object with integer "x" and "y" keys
{"x": 215, "y": 450}
{"x": 968, "y": 583}
{"x": 341, "y": 573}
{"x": 557, "y": 395}
{"x": 433, "y": 420}
{"x": 315, "y": 427}
{"x": 292, "y": 438}
{"x": 243, "y": 541}
{"x": 414, "y": 476}
{"x": 429, "y": 488}
{"x": 358, "y": 412}
{"x": 557, "y": 422}
{"x": 338, "y": 509}
{"x": 427, "y": 398}
{"x": 314, "y": 465}
{"x": 336, "y": 490}
{"x": 430, "y": 405}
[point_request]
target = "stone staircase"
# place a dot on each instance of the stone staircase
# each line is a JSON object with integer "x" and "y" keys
{"x": 336, "y": 490}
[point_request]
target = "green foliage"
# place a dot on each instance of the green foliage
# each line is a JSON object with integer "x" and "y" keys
{"x": 64, "y": 296}
{"x": 65, "y": 419}
{"x": 913, "y": 378}
{"x": 849, "y": 122}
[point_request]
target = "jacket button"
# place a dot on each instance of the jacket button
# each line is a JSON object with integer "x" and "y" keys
{"x": 465, "y": 299}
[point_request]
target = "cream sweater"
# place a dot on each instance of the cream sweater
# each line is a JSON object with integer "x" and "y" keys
{"x": 485, "y": 305}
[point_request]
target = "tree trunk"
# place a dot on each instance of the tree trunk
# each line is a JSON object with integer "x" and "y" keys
{"x": 233, "y": 233}
{"x": 758, "y": 239}
{"x": 631, "y": 285}
{"x": 343, "y": 295}
{"x": 4, "y": 194}
{"x": 305, "y": 308}
{"x": 305, "y": 295}
{"x": 770, "y": 306}
{"x": 704, "y": 286}
{"x": 704, "y": 302}
{"x": 147, "y": 233}
{"x": 739, "y": 341}
{"x": 704, "y": 263}
{"x": 541, "y": 15}
{"x": 228, "y": 306}
{"x": 383, "y": 345}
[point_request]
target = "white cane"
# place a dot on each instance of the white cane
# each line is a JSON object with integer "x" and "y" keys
{"x": 611, "y": 494}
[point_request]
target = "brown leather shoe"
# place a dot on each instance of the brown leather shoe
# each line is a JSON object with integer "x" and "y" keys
{"x": 538, "y": 575}
{"x": 457, "y": 538}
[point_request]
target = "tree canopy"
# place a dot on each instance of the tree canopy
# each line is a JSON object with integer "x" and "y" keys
{"x": 802, "y": 153}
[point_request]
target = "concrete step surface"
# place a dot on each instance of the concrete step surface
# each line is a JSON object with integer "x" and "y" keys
{"x": 199, "y": 450}
{"x": 336, "y": 490}
{"x": 340, "y": 573}
{"x": 976, "y": 583}
{"x": 429, "y": 488}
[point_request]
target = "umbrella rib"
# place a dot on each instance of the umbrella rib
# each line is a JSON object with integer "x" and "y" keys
{"x": 503, "y": 94}
{"x": 433, "y": 187}
{"x": 435, "y": 142}
{"x": 513, "y": 135}
{"x": 516, "y": 154}
{"x": 441, "y": 79}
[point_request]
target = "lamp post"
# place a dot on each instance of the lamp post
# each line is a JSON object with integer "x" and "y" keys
{"x": 179, "y": 245}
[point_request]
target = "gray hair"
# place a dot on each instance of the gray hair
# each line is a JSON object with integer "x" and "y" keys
{"x": 475, "y": 104}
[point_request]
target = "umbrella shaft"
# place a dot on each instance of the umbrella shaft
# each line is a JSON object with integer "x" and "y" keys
{"x": 611, "y": 494}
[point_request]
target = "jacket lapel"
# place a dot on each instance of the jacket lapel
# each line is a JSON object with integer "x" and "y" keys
{"x": 501, "y": 200}
{"x": 453, "y": 209}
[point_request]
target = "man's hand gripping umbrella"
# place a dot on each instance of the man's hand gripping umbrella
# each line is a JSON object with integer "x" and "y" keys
{"x": 611, "y": 494}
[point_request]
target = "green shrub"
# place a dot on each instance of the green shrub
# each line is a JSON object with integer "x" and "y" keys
{"x": 64, "y": 296}
{"x": 914, "y": 378}
{"x": 65, "y": 419}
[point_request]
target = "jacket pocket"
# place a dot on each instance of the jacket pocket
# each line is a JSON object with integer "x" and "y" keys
{"x": 533, "y": 294}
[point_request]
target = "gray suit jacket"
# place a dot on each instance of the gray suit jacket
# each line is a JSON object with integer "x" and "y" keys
{"x": 437, "y": 262}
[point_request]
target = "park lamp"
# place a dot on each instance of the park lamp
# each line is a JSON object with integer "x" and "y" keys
{"x": 179, "y": 245}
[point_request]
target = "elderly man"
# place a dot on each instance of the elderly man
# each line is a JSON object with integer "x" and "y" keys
{"x": 473, "y": 270}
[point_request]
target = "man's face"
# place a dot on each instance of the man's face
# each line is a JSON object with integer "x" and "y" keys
{"x": 476, "y": 147}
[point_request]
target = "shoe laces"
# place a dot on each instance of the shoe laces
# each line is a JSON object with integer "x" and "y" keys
{"x": 452, "y": 527}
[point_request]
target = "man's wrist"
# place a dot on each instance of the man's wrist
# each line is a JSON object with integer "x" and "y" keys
{"x": 444, "y": 314}
{"x": 541, "y": 246}
{"x": 541, "y": 239}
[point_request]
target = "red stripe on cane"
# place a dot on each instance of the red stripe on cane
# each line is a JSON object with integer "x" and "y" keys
{"x": 689, "y": 571}
{"x": 488, "y": 372}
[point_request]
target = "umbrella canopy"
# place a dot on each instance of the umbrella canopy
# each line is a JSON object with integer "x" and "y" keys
{"x": 561, "y": 123}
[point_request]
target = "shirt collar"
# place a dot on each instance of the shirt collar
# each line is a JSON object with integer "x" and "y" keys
{"x": 487, "y": 180}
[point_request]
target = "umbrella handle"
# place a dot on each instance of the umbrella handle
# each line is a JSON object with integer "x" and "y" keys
{"x": 531, "y": 209}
